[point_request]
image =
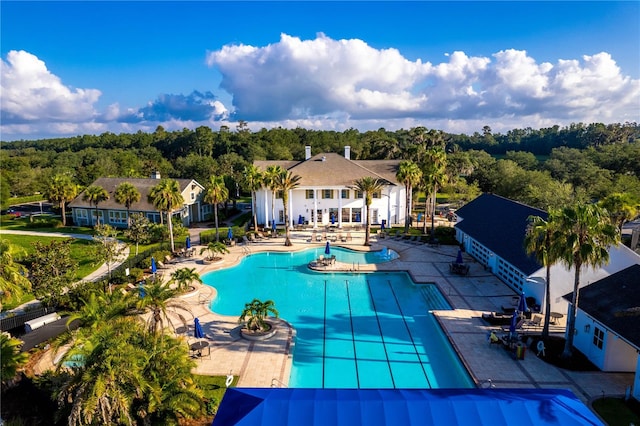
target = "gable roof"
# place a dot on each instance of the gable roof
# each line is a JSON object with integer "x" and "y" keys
{"x": 143, "y": 185}
{"x": 489, "y": 218}
{"x": 614, "y": 301}
{"x": 374, "y": 407}
{"x": 332, "y": 169}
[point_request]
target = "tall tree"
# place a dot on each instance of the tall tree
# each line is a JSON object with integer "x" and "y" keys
{"x": 95, "y": 194}
{"x": 253, "y": 182}
{"x": 434, "y": 173}
{"x": 157, "y": 301}
{"x": 285, "y": 182}
{"x": 368, "y": 185}
{"x": 13, "y": 276}
{"x": 270, "y": 181}
{"x": 216, "y": 192}
{"x": 108, "y": 249}
{"x": 409, "y": 174}
{"x": 61, "y": 190}
{"x": 621, "y": 207}
{"x": 582, "y": 237}
{"x": 139, "y": 229}
{"x": 126, "y": 194}
{"x": 53, "y": 270}
{"x": 539, "y": 242}
{"x": 167, "y": 197}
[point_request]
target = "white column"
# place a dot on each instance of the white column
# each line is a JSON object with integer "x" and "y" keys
{"x": 315, "y": 209}
{"x": 266, "y": 208}
{"x": 290, "y": 209}
{"x": 340, "y": 208}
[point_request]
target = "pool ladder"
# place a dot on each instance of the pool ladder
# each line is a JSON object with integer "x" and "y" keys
{"x": 275, "y": 383}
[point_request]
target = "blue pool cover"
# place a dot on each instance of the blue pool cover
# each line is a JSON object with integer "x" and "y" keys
{"x": 373, "y": 407}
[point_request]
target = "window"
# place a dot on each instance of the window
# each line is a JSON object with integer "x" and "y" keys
{"x": 280, "y": 194}
{"x": 376, "y": 194}
{"x": 345, "y": 214}
{"x": 356, "y": 215}
{"x": 598, "y": 337}
{"x": 81, "y": 214}
{"x": 193, "y": 196}
{"x": 280, "y": 216}
{"x": 117, "y": 217}
{"x": 359, "y": 194}
{"x": 309, "y": 194}
{"x": 327, "y": 193}
{"x": 345, "y": 194}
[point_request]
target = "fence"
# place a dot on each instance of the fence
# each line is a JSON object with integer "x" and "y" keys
{"x": 18, "y": 320}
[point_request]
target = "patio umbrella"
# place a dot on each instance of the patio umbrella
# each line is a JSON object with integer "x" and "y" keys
{"x": 141, "y": 291}
{"x": 419, "y": 217}
{"x": 154, "y": 268}
{"x": 187, "y": 243}
{"x": 459, "y": 258}
{"x": 514, "y": 323}
{"x": 333, "y": 219}
{"x": 197, "y": 329}
{"x": 230, "y": 234}
{"x": 273, "y": 226}
{"x": 382, "y": 226}
{"x": 300, "y": 221}
{"x": 522, "y": 304}
{"x": 357, "y": 217}
{"x": 327, "y": 249}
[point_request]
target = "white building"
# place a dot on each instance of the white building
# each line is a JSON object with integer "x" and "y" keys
{"x": 608, "y": 323}
{"x": 492, "y": 230}
{"x": 325, "y": 194}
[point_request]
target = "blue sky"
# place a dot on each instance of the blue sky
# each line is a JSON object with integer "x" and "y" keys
{"x": 71, "y": 68}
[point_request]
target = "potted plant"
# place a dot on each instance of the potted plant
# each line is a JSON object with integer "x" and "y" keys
{"x": 254, "y": 317}
{"x": 214, "y": 251}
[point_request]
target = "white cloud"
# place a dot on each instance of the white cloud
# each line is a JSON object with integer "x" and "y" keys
{"x": 301, "y": 79}
{"x": 31, "y": 93}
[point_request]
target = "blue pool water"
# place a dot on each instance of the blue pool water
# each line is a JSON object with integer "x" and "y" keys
{"x": 353, "y": 330}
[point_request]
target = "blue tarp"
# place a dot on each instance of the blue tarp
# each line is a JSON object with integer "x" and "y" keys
{"x": 373, "y": 407}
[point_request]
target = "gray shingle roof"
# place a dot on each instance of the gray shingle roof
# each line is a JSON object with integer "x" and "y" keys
{"x": 615, "y": 302}
{"x": 332, "y": 169}
{"x": 143, "y": 185}
{"x": 500, "y": 225}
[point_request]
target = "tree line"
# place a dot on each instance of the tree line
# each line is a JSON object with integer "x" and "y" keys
{"x": 543, "y": 167}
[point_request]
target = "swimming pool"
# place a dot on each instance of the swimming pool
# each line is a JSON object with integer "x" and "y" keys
{"x": 352, "y": 330}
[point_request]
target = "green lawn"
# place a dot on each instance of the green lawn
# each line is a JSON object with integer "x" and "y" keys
{"x": 615, "y": 411}
{"x": 79, "y": 250}
{"x": 214, "y": 388}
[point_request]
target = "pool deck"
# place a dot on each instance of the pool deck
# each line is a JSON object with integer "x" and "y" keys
{"x": 268, "y": 363}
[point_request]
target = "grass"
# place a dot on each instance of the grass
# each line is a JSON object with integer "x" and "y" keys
{"x": 79, "y": 250}
{"x": 25, "y": 224}
{"x": 617, "y": 411}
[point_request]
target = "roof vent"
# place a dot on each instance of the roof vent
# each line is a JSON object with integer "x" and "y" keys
{"x": 324, "y": 158}
{"x": 307, "y": 152}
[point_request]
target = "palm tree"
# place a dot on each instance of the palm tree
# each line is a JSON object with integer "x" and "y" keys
{"x": 95, "y": 194}
{"x": 214, "y": 248}
{"x": 409, "y": 174}
{"x": 101, "y": 307}
{"x": 184, "y": 277}
{"x": 285, "y": 182}
{"x": 61, "y": 190}
{"x": 216, "y": 192}
{"x": 539, "y": 242}
{"x": 622, "y": 207}
{"x": 253, "y": 182}
{"x": 167, "y": 197}
{"x": 157, "y": 301}
{"x": 582, "y": 237}
{"x": 126, "y": 194}
{"x": 368, "y": 185}
{"x": 255, "y": 312}
{"x": 270, "y": 181}
{"x": 11, "y": 358}
{"x": 13, "y": 276}
{"x": 434, "y": 173}
{"x": 158, "y": 387}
